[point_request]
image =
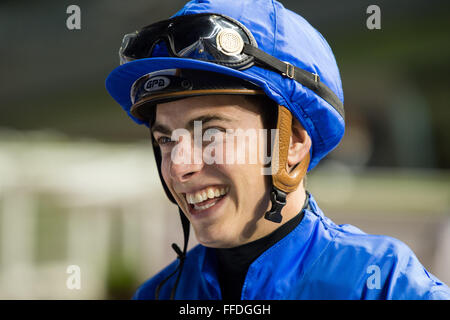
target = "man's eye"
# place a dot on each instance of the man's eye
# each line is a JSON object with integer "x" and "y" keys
{"x": 163, "y": 140}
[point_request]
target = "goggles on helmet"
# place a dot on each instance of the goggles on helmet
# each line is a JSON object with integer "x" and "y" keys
{"x": 218, "y": 39}
{"x": 208, "y": 37}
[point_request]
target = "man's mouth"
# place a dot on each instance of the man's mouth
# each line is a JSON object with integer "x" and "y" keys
{"x": 206, "y": 198}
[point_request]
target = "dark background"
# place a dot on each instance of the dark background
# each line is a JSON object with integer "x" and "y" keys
{"x": 77, "y": 178}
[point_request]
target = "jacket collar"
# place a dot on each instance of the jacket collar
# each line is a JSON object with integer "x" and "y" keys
{"x": 274, "y": 272}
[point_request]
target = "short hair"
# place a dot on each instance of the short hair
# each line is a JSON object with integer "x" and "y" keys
{"x": 268, "y": 108}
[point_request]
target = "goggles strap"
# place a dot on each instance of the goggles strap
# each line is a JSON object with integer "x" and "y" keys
{"x": 305, "y": 78}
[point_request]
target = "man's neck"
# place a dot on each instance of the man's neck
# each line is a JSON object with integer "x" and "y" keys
{"x": 294, "y": 204}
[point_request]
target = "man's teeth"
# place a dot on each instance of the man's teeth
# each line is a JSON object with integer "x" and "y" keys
{"x": 205, "y": 194}
{"x": 206, "y": 206}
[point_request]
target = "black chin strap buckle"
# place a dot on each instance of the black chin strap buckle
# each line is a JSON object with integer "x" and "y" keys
{"x": 278, "y": 199}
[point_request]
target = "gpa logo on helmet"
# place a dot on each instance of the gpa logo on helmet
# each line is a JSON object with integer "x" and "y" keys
{"x": 156, "y": 83}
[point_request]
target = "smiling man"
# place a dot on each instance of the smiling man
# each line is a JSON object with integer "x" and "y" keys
{"x": 217, "y": 84}
{"x": 215, "y": 197}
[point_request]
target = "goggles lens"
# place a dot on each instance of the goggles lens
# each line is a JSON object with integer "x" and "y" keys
{"x": 208, "y": 37}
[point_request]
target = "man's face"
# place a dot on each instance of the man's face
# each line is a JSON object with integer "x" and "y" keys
{"x": 236, "y": 192}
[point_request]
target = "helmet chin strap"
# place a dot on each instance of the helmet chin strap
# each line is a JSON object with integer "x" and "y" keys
{"x": 283, "y": 182}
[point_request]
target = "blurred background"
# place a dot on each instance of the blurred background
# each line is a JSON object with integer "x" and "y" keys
{"x": 78, "y": 184}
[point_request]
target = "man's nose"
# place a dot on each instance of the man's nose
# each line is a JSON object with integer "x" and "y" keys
{"x": 186, "y": 160}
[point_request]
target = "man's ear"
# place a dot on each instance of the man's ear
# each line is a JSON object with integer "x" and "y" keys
{"x": 299, "y": 144}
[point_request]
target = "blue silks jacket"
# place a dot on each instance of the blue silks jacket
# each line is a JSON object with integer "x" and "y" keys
{"x": 317, "y": 260}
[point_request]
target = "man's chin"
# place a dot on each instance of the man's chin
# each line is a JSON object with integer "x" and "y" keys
{"x": 214, "y": 239}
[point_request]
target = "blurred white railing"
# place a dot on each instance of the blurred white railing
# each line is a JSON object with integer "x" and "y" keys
{"x": 103, "y": 194}
{"x": 90, "y": 184}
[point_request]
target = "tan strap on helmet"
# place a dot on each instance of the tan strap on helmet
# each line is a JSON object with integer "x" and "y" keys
{"x": 281, "y": 179}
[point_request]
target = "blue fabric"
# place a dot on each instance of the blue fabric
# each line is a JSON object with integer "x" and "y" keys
{"x": 279, "y": 32}
{"x": 317, "y": 260}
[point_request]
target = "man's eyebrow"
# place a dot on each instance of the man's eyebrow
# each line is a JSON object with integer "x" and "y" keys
{"x": 190, "y": 124}
{"x": 207, "y": 118}
{"x": 161, "y": 128}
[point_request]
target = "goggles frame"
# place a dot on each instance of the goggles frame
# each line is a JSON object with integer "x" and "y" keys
{"x": 142, "y": 44}
{"x": 224, "y": 40}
